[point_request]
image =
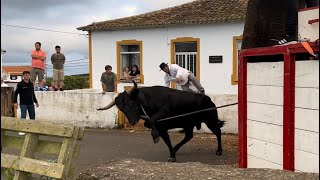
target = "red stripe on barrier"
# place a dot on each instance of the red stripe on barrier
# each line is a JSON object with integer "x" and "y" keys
{"x": 242, "y": 109}
{"x": 288, "y": 111}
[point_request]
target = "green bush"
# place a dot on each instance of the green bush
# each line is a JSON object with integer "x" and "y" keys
{"x": 73, "y": 82}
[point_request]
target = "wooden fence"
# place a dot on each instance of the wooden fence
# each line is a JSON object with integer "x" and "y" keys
{"x": 26, "y": 165}
{"x": 7, "y": 101}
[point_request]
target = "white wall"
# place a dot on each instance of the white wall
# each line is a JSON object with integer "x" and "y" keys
{"x": 228, "y": 114}
{"x": 78, "y": 107}
{"x": 265, "y": 116}
{"x": 306, "y": 30}
{"x": 215, "y": 39}
{"x": 307, "y": 116}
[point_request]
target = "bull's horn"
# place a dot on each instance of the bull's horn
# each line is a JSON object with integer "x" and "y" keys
{"x": 108, "y": 106}
{"x": 129, "y": 90}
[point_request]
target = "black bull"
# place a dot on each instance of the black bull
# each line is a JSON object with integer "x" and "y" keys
{"x": 158, "y": 102}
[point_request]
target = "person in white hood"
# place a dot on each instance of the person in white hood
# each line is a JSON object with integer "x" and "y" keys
{"x": 180, "y": 76}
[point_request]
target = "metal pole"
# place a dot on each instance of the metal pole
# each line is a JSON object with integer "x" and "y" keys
{"x": 2, "y": 52}
{"x": 1, "y": 64}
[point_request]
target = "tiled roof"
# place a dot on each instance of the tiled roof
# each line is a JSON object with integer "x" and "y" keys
{"x": 16, "y": 70}
{"x": 195, "y": 12}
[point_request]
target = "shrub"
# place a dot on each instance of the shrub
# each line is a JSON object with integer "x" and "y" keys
{"x": 73, "y": 82}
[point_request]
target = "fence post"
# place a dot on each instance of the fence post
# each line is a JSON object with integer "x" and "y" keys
{"x": 7, "y": 101}
{"x": 28, "y": 150}
{"x": 66, "y": 151}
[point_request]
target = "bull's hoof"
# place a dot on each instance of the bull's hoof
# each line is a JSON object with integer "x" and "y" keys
{"x": 219, "y": 152}
{"x": 156, "y": 140}
{"x": 172, "y": 159}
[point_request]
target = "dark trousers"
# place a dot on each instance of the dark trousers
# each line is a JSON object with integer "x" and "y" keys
{"x": 31, "y": 111}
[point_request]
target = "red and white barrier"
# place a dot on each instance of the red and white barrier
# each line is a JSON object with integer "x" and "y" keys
{"x": 278, "y": 109}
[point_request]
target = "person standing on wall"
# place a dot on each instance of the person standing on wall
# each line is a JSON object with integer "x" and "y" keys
{"x": 25, "y": 90}
{"x": 58, "y": 59}
{"x": 108, "y": 80}
{"x": 180, "y": 76}
{"x": 38, "y": 65}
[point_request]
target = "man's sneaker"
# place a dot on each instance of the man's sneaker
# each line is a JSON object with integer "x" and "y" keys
{"x": 55, "y": 89}
{"x": 21, "y": 133}
{"x": 61, "y": 89}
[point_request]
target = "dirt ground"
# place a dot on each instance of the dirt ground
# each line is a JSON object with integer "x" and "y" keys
{"x": 134, "y": 169}
{"x": 131, "y": 154}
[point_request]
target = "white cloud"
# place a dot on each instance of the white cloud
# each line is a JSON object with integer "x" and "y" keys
{"x": 62, "y": 15}
{"x": 160, "y": 4}
{"x": 129, "y": 10}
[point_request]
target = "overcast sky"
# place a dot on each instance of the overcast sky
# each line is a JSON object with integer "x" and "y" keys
{"x": 64, "y": 16}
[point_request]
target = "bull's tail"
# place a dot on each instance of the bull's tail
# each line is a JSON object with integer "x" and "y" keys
{"x": 220, "y": 123}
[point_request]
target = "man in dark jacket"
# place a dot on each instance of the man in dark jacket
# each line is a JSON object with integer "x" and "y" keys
{"x": 25, "y": 89}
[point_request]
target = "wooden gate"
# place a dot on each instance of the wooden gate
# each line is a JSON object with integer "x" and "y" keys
{"x": 60, "y": 140}
{"x": 7, "y": 101}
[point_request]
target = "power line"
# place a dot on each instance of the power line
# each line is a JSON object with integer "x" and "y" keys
{"x": 48, "y": 30}
{"x": 77, "y": 60}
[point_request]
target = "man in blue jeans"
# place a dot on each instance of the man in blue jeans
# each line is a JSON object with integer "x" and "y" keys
{"x": 25, "y": 89}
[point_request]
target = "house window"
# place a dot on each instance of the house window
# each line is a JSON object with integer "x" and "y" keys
{"x": 129, "y": 55}
{"x": 237, "y": 42}
{"x": 185, "y": 53}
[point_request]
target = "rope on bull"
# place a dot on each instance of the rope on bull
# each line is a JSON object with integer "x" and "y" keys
{"x": 186, "y": 114}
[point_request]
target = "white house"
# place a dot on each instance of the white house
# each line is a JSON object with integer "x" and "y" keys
{"x": 203, "y": 36}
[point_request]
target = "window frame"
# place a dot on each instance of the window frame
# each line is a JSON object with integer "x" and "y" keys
{"x": 234, "y": 75}
{"x": 119, "y": 70}
{"x": 186, "y": 39}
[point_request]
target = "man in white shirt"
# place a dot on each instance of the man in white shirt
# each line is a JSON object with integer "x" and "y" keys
{"x": 180, "y": 76}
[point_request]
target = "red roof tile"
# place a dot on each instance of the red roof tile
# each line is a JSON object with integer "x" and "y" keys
{"x": 16, "y": 70}
{"x": 196, "y": 12}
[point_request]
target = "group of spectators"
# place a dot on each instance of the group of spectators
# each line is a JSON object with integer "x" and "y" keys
{"x": 26, "y": 87}
{"x": 109, "y": 78}
{"x": 173, "y": 73}
{"x": 38, "y": 68}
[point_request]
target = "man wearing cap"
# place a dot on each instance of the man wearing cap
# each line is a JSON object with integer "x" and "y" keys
{"x": 180, "y": 76}
{"x": 25, "y": 90}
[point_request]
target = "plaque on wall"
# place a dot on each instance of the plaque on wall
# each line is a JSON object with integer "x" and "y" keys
{"x": 215, "y": 59}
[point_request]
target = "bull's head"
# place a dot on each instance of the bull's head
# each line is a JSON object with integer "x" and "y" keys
{"x": 128, "y": 103}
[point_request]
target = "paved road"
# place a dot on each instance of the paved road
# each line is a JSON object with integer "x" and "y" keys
{"x": 101, "y": 146}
